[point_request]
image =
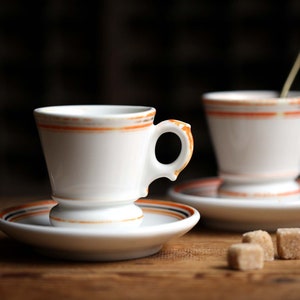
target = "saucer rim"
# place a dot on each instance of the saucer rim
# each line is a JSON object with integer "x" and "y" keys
{"x": 194, "y": 214}
{"x": 75, "y": 244}
{"x": 239, "y": 215}
{"x": 176, "y": 192}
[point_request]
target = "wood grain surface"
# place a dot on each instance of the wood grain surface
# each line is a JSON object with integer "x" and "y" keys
{"x": 193, "y": 266}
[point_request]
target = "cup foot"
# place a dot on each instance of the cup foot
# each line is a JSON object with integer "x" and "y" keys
{"x": 270, "y": 190}
{"x": 121, "y": 217}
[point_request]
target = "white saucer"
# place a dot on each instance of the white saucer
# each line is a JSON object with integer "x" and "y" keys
{"x": 236, "y": 214}
{"x": 162, "y": 221}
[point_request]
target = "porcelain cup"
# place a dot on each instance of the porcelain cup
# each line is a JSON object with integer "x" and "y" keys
{"x": 256, "y": 138}
{"x": 101, "y": 159}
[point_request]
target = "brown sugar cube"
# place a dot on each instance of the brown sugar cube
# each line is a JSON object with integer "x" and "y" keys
{"x": 288, "y": 243}
{"x": 245, "y": 256}
{"x": 263, "y": 239}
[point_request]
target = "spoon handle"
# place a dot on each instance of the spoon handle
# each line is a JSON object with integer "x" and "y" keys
{"x": 291, "y": 77}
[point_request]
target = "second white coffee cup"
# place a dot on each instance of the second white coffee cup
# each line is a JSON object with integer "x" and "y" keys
{"x": 256, "y": 137}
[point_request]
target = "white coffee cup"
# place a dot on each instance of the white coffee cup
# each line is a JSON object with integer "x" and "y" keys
{"x": 256, "y": 138}
{"x": 101, "y": 158}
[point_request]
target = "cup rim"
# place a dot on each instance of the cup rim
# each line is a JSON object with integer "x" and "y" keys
{"x": 94, "y": 111}
{"x": 246, "y": 97}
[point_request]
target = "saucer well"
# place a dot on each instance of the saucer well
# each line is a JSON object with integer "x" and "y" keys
{"x": 236, "y": 214}
{"x": 162, "y": 221}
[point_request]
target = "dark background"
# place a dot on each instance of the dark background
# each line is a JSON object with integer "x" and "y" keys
{"x": 160, "y": 53}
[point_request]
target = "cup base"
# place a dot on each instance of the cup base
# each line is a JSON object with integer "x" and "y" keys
{"x": 121, "y": 217}
{"x": 270, "y": 190}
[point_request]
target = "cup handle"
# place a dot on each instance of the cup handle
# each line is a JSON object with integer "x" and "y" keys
{"x": 157, "y": 169}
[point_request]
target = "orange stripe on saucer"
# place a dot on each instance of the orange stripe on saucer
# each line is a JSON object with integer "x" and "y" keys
{"x": 25, "y": 206}
{"x": 197, "y": 184}
{"x": 164, "y": 212}
{"x": 29, "y": 214}
{"x": 257, "y": 195}
{"x": 166, "y": 203}
{"x": 93, "y": 222}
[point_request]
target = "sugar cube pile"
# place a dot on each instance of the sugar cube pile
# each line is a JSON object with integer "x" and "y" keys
{"x": 263, "y": 239}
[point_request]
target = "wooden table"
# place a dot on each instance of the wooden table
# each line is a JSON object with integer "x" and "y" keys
{"x": 191, "y": 267}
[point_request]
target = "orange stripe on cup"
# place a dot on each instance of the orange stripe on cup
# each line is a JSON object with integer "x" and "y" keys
{"x": 292, "y": 114}
{"x": 253, "y": 115}
{"x": 241, "y": 114}
{"x": 91, "y": 129}
{"x": 252, "y": 102}
{"x": 239, "y": 102}
{"x": 149, "y": 115}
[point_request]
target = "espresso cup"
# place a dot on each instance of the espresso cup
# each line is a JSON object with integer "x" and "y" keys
{"x": 256, "y": 138}
{"x": 101, "y": 159}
